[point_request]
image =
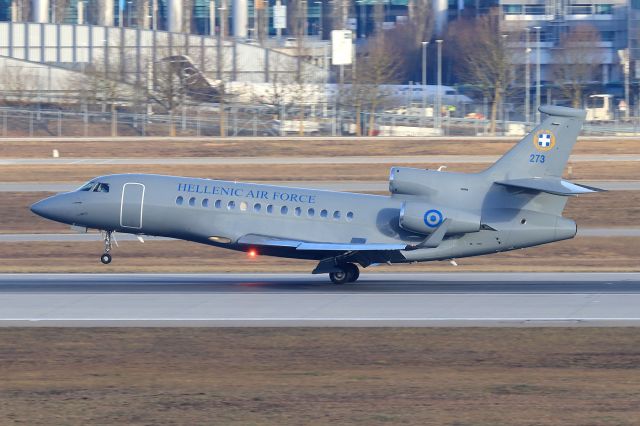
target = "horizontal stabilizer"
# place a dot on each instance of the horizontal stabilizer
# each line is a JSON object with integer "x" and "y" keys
{"x": 263, "y": 240}
{"x": 550, "y": 185}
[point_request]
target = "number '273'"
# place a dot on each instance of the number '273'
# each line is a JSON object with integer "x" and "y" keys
{"x": 536, "y": 158}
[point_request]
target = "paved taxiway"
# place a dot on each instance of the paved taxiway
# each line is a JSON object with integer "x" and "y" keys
{"x": 416, "y": 159}
{"x": 452, "y": 299}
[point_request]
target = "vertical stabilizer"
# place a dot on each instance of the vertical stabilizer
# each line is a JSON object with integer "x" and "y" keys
{"x": 545, "y": 151}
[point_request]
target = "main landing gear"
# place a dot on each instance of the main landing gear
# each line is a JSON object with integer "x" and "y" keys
{"x": 106, "y": 257}
{"x": 348, "y": 273}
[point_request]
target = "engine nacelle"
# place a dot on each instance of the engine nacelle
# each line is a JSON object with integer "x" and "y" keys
{"x": 411, "y": 181}
{"x": 424, "y": 218}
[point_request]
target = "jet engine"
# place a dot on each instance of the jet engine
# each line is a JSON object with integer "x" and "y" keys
{"x": 411, "y": 181}
{"x": 425, "y": 218}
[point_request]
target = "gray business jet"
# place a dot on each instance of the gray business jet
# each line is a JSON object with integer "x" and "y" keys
{"x": 430, "y": 215}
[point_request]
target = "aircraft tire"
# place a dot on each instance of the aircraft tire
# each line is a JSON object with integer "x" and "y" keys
{"x": 352, "y": 271}
{"x": 105, "y": 258}
{"x": 341, "y": 277}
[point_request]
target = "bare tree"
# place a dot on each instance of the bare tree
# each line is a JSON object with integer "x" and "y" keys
{"x": 576, "y": 61}
{"x": 482, "y": 57}
{"x": 376, "y": 67}
{"x": 17, "y": 84}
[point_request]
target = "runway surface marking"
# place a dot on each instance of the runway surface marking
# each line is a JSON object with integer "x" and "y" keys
{"x": 432, "y": 299}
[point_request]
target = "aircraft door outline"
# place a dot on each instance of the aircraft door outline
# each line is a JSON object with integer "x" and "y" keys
{"x": 132, "y": 205}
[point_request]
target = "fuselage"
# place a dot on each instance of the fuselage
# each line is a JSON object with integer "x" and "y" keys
{"x": 219, "y": 213}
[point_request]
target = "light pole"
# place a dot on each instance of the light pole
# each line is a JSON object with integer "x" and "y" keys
{"x": 120, "y": 13}
{"x": 537, "y": 73}
{"x": 527, "y": 77}
{"x": 439, "y": 88}
{"x": 425, "y": 44}
{"x": 212, "y": 18}
{"x": 319, "y": 3}
{"x": 504, "y": 87}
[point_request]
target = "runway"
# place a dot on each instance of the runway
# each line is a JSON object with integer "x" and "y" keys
{"x": 436, "y": 299}
{"x": 261, "y": 161}
{"x": 354, "y": 186}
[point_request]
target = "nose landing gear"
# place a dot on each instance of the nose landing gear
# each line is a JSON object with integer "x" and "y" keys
{"x": 106, "y": 257}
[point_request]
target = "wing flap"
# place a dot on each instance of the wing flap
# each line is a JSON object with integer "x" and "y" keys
{"x": 264, "y": 240}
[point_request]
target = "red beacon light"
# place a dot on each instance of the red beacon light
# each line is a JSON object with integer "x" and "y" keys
{"x": 252, "y": 253}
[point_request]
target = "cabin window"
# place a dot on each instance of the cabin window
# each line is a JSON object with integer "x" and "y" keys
{"x": 270, "y": 209}
{"x": 179, "y": 200}
{"x": 311, "y": 212}
{"x": 336, "y": 215}
{"x": 218, "y": 204}
{"x": 257, "y": 207}
{"x": 243, "y": 206}
{"x": 349, "y": 216}
{"x": 205, "y": 203}
{"x": 298, "y": 211}
{"x": 231, "y": 205}
{"x": 284, "y": 210}
{"x": 323, "y": 213}
{"x": 192, "y": 201}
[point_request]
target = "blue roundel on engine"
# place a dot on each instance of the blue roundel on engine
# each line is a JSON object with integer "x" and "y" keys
{"x": 433, "y": 218}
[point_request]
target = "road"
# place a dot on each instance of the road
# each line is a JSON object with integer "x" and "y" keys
{"x": 416, "y": 159}
{"x": 452, "y": 299}
{"x": 355, "y": 185}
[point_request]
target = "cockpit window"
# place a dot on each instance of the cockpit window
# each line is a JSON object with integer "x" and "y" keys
{"x": 87, "y": 186}
{"x": 101, "y": 187}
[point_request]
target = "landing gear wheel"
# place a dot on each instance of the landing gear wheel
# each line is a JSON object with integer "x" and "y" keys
{"x": 105, "y": 258}
{"x": 348, "y": 273}
{"x": 352, "y": 271}
{"x": 339, "y": 277}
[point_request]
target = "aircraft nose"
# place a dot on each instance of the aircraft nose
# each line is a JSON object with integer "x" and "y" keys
{"x": 40, "y": 207}
{"x": 51, "y": 208}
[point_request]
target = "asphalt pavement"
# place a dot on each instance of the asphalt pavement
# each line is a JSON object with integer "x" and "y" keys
{"x": 429, "y": 299}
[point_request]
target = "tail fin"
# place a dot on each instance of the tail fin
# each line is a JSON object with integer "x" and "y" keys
{"x": 545, "y": 151}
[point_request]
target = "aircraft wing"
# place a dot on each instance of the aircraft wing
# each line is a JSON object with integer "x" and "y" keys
{"x": 551, "y": 186}
{"x": 263, "y": 240}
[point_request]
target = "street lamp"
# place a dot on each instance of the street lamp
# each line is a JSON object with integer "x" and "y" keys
{"x": 504, "y": 88}
{"x": 212, "y": 17}
{"x": 319, "y": 3}
{"x": 425, "y": 44}
{"x": 537, "y": 28}
{"x": 439, "y": 88}
{"x": 527, "y": 76}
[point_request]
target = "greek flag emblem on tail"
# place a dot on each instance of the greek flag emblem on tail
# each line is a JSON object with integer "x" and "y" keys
{"x": 544, "y": 140}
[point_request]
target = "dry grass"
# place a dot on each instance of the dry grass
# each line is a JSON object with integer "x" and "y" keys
{"x": 620, "y": 170}
{"x": 267, "y": 147}
{"x": 412, "y": 376}
{"x": 579, "y": 254}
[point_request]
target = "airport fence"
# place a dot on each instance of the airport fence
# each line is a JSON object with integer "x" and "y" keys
{"x": 259, "y": 121}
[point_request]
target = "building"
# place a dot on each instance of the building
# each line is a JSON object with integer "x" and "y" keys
{"x": 545, "y": 22}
